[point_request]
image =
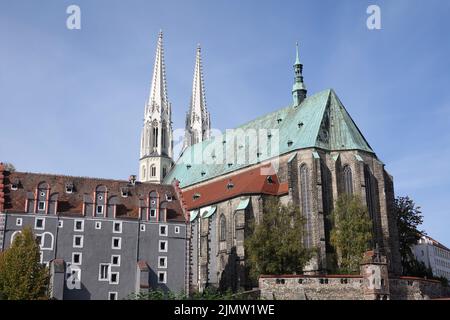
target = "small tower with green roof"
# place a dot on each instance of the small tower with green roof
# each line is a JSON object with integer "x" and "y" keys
{"x": 298, "y": 89}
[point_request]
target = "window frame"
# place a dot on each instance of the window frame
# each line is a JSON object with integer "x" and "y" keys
{"x": 75, "y": 225}
{"x": 108, "y": 272}
{"x": 166, "y": 246}
{"x": 43, "y": 223}
{"x": 75, "y": 236}
{"x": 119, "y": 247}
{"x": 80, "y": 258}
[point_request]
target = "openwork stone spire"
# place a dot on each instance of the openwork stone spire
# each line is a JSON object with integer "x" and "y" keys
{"x": 158, "y": 92}
{"x": 198, "y": 124}
{"x": 156, "y": 138}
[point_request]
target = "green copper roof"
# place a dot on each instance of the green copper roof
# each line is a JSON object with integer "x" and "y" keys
{"x": 320, "y": 121}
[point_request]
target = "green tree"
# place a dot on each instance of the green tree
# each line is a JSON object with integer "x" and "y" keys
{"x": 22, "y": 277}
{"x": 275, "y": 244}
{"x": 351, "y": 233}
{"x": 409, "y": 218}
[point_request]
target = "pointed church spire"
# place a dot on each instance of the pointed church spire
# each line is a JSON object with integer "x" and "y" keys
{"x": 197, "y": 119}
{"x": 298, "y": 89}
{"x": 158, "y": 90}
{"x": 156, "y": 137}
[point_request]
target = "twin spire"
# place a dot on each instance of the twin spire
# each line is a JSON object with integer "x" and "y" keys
{"x": 198, "y": 125}
{"x": 156, "y": 156}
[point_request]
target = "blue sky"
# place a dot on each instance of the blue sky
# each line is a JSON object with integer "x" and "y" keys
{"x": 72, "y": 102}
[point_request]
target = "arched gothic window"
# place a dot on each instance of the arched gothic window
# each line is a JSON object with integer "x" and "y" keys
{"x": 348, "y": 180}
{"x": 306, "y": 204}
{"x": 155, "y": 135}
{"x": 370, "y": 196}
{"x": 223, "y": 228}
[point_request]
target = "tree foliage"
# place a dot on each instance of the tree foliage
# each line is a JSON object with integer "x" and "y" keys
{"x": 352, "y": 232}
{"x": 409, "y": 218}
{"x": 22, "y": 276}
{"x": 275, "y": 244}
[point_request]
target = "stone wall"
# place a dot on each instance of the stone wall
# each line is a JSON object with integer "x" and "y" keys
{"x": 345, "y": 287}
{"x": 311, "y": 288}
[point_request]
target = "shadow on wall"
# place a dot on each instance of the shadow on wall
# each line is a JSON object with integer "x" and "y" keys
{"x": 234, "y": 274}
{"x": 77, "y": 294}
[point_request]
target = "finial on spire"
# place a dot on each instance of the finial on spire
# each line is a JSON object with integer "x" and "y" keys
{"x": 297, "y": 59}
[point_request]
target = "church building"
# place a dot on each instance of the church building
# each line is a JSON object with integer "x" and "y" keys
{"x": 181, "y": 224}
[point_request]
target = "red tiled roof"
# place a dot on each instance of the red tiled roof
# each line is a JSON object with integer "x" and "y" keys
{"x": 253, "y": 181}
{"x": 72, "y": 204}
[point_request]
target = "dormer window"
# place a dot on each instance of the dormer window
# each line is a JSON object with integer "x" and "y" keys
{"x": 279, "y": 120}
{"x": 196, "y": 196}
{"x": 188, "y": 166}
{"x": 203, "y": 173}
{"x": 15, "y": 185}
{"x": 124, "y": 192}
{"x": 132, "y": 180}
{"x": 300, "y": 124}
{"x": 230, "y": 185}
{"x": 289, "y": 143}
{"x": 270, "y": 180}
{"x": 169, "y": 197}
{"x": 229, "y": 165}
{"x": 69, "y": 187}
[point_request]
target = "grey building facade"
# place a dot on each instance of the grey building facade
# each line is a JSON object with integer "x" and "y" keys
{"x": 130, "y": 239}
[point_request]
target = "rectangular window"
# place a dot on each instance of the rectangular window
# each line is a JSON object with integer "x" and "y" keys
{"x": 98, "y": 225}
{"x": 177, "y": 229}
{"x": 115, "y": 260}
{"x": 163, "y": 230}
{"x": 99, "y": 210}
{"x": 162, "y": 262}
{"x": 41, "y": 205}
{"x": 78, "y": 225}
{"x": 60, "y": 224}
{"x": 116, "y": 243}
{"x": 39, "y": 224}
{"x": 114, "y": 279}
{"x": 117, "y": 228}
{"x": 142, "y": 227}
{"x": 162, "y": 277}
{"x": 19, "y": 222}
{"x": 78, "y": 241}
{"x": 77, "y": 258}
{"x": 103, "y": 272}
{"x": 162, "y": 245}
{"x": 152, "y": 213}
{"x": 112, "y": 295}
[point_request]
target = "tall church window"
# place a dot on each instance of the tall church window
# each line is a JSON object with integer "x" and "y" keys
{"x": 164, "y": 172}
{"x": 348, "y": 180}
{"x": 153, "y": 171}
{"x": 223, "y": 228}
{"x": 144, "y": 176}
{"x": 370, "y": 195}
{"x": 155, "y": 137}
{"x": 306, "y": 204}
{"x": 164, "y": 137}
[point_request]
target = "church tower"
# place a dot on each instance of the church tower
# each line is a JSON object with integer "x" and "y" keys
{"x": 198, "y": 125}
{"x": 156, "y": 137}
{"x": 298, "y": 89}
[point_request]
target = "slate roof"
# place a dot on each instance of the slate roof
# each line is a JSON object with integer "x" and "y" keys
{"x": 320, "y": 121}
{"x": 72, "y": 204}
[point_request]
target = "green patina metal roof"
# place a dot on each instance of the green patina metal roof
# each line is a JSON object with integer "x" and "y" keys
{"x": 243, "y": 204}
{"x": 320, "y": 121}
